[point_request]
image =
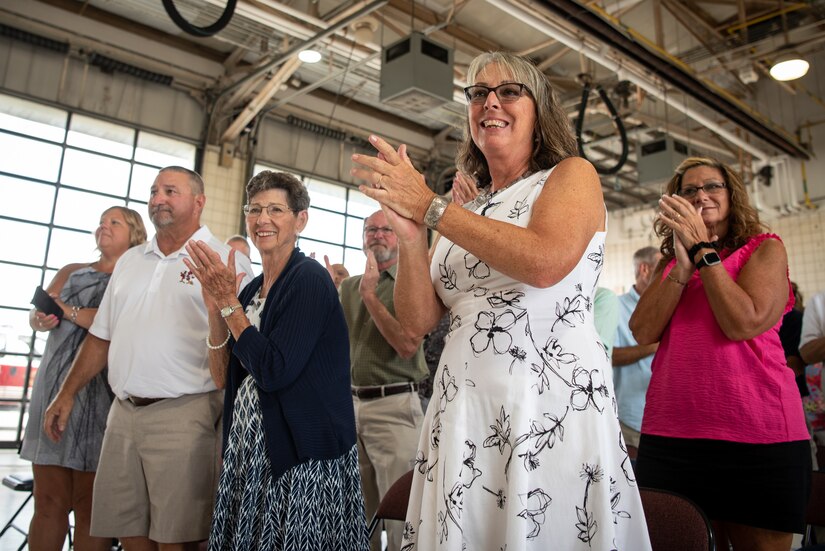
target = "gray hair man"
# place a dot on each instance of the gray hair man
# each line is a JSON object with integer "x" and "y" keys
{"x": 631, "y": 361}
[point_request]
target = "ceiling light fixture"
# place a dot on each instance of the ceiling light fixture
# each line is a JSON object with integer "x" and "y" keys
{"x": 309, "y": 56}
{"x": 789, "y": 66}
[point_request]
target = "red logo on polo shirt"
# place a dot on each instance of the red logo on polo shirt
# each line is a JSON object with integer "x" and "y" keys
{"x": 187, "y": 277}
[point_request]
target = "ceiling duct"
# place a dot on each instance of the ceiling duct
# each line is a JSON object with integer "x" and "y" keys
{"x": 658, "y": 158}
{"x": 416, "y": 74}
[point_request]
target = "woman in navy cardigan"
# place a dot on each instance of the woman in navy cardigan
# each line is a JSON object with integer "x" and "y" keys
{"x": 290, "y": 466}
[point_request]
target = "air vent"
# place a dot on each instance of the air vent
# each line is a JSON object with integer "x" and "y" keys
{"x": 416, "y": 74}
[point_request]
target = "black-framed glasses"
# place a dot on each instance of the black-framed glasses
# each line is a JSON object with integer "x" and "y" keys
{"x": 508, "y": 92}
{"x": 711, "y": 188}
{"x": 274, "y": 210}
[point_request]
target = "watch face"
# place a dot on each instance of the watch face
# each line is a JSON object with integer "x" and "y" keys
{"x": 711, "y": 259}
{"x": 708, "y": 259}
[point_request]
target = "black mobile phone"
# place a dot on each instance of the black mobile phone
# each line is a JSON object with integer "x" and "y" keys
{"x": 46, "y": 304}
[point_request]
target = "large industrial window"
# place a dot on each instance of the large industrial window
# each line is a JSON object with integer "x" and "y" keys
{"x": 336, "y": 222}
{"x": 59, "y": 171}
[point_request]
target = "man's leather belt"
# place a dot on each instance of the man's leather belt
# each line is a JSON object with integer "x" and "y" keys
{"x": 370, "y": 392}
{"x": 140, "y": 402}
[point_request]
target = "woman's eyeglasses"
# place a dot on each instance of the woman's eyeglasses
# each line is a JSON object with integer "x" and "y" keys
{"x": 711, "y": 188}
{"x": 508, "y": 92}
{"x": 274, "y": 210}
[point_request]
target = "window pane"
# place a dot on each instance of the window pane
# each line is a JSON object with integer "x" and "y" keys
{"x": 28, "y": 246}
{"x": 31, "y": 158}
{"x": 355, "y": 232}
{"x": 95, "y": 172}
{"x": 26, "y": 199}
{"x": 361, "y": 205}
{"x": 142, "y": 179}
{"x": 15, "y": 336}
{"x": 334, "y": 252}
{"x": 101, "y": 136}
{"x": 77, "y": 209}
{"x": 71, "y": 246}
{"x": 328, "y": 196}
{"x": 34, "y": 119}
{"x": 143, "y": 210}
{"x": 18, "y": 285}
{"x": 161, "y": 151}
{"x": 323, "y": 225}
{"x": 354, "y": 261}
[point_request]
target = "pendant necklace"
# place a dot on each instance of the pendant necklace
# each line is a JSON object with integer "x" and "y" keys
{"x": 486, "y": 195}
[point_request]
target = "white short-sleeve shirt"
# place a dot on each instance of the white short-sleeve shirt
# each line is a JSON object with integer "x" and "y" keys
{"x": 155, "y": 319}
{"x": 813, "y": 319}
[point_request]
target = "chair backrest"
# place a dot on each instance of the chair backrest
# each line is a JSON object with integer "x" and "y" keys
{"x": 815, "y": 513}
{"x": 393, "y": 505}
{"x": 675, "y": 523}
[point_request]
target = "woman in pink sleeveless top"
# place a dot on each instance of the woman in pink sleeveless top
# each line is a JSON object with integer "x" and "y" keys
{"x": 723, "y": 423}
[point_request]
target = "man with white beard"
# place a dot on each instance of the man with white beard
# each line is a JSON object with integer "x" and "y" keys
{"x": 387, "y": 365}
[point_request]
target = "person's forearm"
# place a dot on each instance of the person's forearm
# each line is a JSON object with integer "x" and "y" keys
{"x": 417, "y": 306}
{"x": 91, "y": 359}
{"x": 813, "y": 351}
{"x": 218, "y": 358}
{"x": 389, "y": 327}
{"x": 626, "y": 355}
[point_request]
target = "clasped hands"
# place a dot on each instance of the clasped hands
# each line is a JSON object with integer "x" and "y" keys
{"x": 688, "y": 227}
{"x": 394, "y": 182}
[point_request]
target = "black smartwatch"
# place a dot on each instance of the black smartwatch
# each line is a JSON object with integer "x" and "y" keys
{"x": 708, "y": 259}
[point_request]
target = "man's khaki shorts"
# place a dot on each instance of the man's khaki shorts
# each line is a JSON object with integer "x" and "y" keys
{"x": 158, "y": 469}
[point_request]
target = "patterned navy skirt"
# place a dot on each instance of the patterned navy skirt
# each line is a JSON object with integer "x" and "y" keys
{"x": 316, "y": 505}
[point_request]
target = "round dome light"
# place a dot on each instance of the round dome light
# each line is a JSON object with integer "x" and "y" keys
{"x": 789, "y": 67}
{"x": 309, "y": 56}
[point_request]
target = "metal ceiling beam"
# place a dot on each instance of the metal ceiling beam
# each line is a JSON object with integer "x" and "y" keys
{"x": 324, "y": 33}
{"x": 677, "y": 76}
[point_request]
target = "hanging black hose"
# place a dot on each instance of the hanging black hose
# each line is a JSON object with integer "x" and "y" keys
{"x": 617, "y": 121}
{"x": 212, "y": 29}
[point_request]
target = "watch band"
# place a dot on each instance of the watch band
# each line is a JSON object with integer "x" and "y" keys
{"x": 435, "y": 211}
{"x": 701, "y": 245}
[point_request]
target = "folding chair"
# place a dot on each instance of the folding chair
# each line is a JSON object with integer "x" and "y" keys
{"x": 815, "y": 513}
{"x": 675, "y": 523}
{"x": 393, "y": 505}
{"x": 19, "y": 483}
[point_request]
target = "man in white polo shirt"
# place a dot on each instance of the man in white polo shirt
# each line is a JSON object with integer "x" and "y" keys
{"x": 156, "y": 480}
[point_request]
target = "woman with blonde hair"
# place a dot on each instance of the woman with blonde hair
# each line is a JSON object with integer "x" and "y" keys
{"x": 64, "y": 472}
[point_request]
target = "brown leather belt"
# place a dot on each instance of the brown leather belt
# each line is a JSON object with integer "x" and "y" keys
{"x": 370, "y": 392}
{"x": 140, "y": 402}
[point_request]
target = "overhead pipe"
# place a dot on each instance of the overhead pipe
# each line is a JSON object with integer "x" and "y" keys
{"x": 624, "y": 73}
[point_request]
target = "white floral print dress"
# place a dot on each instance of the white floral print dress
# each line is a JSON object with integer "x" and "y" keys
{"x": 521, "y": 446}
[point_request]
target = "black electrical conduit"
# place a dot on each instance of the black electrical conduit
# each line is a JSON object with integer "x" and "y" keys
{"x": 189, "y": 28}
{"x": 617, "y": 121}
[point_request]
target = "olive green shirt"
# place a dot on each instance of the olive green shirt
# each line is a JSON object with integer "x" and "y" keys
{"x": 374, "y": 361}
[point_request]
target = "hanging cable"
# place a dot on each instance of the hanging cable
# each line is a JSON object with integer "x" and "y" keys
{"x": 189, "y": 28}
{"x": 617, "y": 122}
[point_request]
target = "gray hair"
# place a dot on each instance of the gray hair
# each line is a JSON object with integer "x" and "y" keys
{"x": 553, "y": 137}
{"x": 645, "y": 255}
{"x": 296, "y": 193}
{"x": 195, "y": 180}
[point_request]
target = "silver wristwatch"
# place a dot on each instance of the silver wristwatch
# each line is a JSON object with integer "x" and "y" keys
{"x": 226, "y": 311}
{"x": 435, "y": 211}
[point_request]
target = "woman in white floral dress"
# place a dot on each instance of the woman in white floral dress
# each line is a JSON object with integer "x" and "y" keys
{"x": 521, "y": 446}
